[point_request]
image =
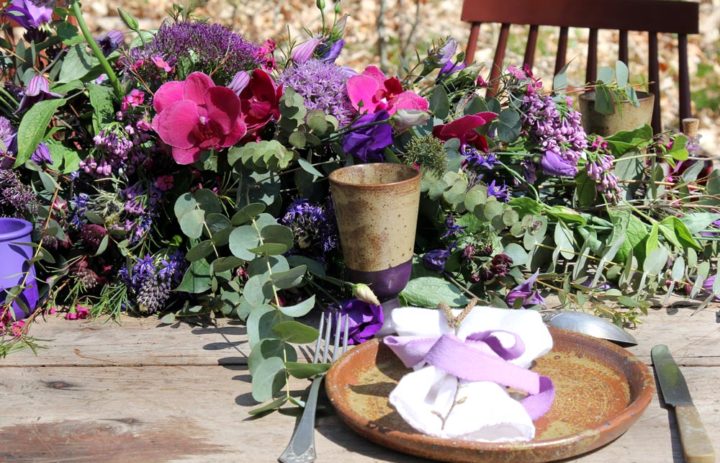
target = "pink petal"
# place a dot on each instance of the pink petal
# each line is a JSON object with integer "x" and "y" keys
{"x": 196, "y": 85}
{"x": 176, "y": 124}
{"x": 186, "y": 156}
{"x": 235, "y": 135}
{"x": 363, "y": 88}
{"x": 167, "y": 94}
{"x": 223, "y": 107}
{"x": 375, "y": 73}
{"x": 410, "y": 101}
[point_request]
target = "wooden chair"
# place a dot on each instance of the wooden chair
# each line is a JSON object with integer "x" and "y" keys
{"x": 651, "y": 16}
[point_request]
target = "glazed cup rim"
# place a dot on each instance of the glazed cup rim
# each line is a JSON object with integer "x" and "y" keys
{"x": 18, "y": 228}
{"x": 416, "y": 174}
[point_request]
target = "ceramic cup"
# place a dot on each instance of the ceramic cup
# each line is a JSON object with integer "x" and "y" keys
{"x": 15, "y": 257}
{"x": 376, "y": 206}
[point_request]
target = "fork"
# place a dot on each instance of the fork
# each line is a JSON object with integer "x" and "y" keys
{"x": 301, "y": 448}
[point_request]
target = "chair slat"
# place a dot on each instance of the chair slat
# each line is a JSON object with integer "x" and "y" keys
{"x": 562, "y": 50}
{"x": 623, "y": 47}
{"x": 529, "y": 58}
{"x": 654, "y": 79}
{"x": 684, "y": 78}
{"x": 472, "y": 43}
{"x": 498, "y": 60}
{"x": 591, "y": 69}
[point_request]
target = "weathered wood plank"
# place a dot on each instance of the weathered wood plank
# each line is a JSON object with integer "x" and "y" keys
{"x": 199, "y": 414}
{"x": 693, "y": 338}
{"x": 133, "y": 342}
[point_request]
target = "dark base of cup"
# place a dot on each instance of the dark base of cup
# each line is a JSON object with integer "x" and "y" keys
{"x": 386, "y": 284}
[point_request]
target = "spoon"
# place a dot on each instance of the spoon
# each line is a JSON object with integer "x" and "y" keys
{"x": 591, "y": 325}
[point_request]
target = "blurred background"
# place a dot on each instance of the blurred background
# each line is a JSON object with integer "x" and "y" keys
{"x": 387, "y": 32}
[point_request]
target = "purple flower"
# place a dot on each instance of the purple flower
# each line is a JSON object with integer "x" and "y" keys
{"x": 41, "y": 155}
{"x": 37, "y": 90}
{"x": 110, "y": 42}
{"x": 329, "y": 54}
{"x": 305, "y": 50}
{"x": 524, "y": 292}
{"x": 501, "y": 192}
{"x": 313, "y": 226}
{"x": 436, "y": 259}
{"x": 322, "y": 86}
{"x": 364, "y": 320}
{"x": 451, "y": 68}
{"x": 209, "y": 48}
{"x": 239, "y": 82}
{"x": 30, "y": 14}
{"x": 369, "y": 138}
{"x": 554, "y": 163}
{"x": 446, "y": 52}
{"x": 7, "y": 142}
{"x": 476, "y": 159}
{"x": 451, "y": 228}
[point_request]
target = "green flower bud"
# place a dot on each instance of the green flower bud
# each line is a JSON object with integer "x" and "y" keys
{"x": 365, "y": 294}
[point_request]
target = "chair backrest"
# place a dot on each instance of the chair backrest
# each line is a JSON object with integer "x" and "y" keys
{"x": 651, "y": 16}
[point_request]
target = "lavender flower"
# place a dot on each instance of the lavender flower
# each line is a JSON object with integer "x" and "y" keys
{"x": 322, "y": 86}
{"x": 313, "y": 226}
{"x": 364, "y": 320}
{"x": 30, "y": 14}
{"x": 81, "y": 204}
{"x": 525, "y": 293}
{"x": 555, "y": 130}
{"x": 152, "y": 295}
{"x": 16, "y": 198}
{"x": 7, "y": 143}
{"x": 436, "y": 259}
{"x": 370, "y": 136}
{"x": 600, "y": 169}
{"x": 209, "y": 48}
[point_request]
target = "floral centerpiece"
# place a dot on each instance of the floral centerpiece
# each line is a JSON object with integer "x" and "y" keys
{"x": 183, "y": 171}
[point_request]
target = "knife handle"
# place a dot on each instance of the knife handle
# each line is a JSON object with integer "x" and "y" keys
{"x": 696, "y": 444}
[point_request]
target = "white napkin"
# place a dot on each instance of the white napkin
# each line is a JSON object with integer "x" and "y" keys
{"x": 483, "y": 410}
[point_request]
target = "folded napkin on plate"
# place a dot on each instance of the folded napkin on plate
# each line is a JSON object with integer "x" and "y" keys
{"x": 459, "y": 386}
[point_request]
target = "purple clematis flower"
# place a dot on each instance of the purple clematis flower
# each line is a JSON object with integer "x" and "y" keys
{"x": 525, "y": 293}
{"x": 37, "y": 90}
{"x": 30, "y": 14}
{"x": 110, "y": 42}
{"x": 364, "y": 320}
{"x": 329, "y": 54}
{"x": 370, "y": 137}
{"x": 436, "y": 259}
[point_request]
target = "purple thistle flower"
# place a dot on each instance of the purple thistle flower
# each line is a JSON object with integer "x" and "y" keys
{"x": 322, "y": 86}
{"x": 436, "y": 259}
{"x": 364, "y": 320}
{"x": 369, "y": 137}
{"x": 38, "y": 90}
{"x": 41, "y": 155}
{"x": 209, "y": 48}
{"x": 30, "y": 14}
{"x": 524, "y": 292}
{"x": 501, "y": 192}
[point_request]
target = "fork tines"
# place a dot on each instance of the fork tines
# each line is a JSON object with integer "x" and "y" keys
{"x": 326, "y": 330}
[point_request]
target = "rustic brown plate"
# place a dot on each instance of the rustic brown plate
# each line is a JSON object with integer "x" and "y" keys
{"x": 600, "y": 391}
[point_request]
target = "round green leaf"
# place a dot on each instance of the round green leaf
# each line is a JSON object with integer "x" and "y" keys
{"x": 258, "y": 290}
{"x": 268, "y": 379}
{"x": 184, "y": 204}
{"x": 223, "y": 264}
{"x": 290, "y": 278}
{"x": 199, "y": 251}
{"x": 242, "y": 239}
{"x": 295, "y": 332}
{"x": 299, "y": 310}
{"x": 192, "y": 222}
{"x": 268, "y": 348}
{"x": 208, "y": 201}
{"x": 247, "y": 213}
{"x": 306, "y": 370}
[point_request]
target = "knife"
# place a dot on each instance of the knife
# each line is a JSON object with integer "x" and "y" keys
{"x": 696, "y": 444}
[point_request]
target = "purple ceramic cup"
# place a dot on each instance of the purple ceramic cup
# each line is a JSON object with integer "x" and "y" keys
{"x": 14, "y": 257}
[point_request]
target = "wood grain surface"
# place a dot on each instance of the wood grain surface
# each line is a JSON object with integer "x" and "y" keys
{"x": 140, "y": 392}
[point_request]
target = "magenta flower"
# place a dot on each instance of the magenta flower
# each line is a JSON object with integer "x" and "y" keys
{"x": 196, "y": 115}
{"x": 372, "y": 91}
{"x": 133, "y": 99}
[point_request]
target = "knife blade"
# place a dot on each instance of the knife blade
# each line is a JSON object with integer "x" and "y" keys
{"x": 696, "y": 444}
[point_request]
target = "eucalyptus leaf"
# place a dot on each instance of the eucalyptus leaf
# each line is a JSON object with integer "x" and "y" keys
{"x": 268, "y": 379}
{"x": 306, "y": 370}
{"x": 242, "y": 239}
{"x": 247, "y": 213}
{"x": 200, "y": 251}
{"x": 300, "y": 309}
{"x": 290, "y": 278}
{"x": 192, "y": 223}
{"x": 196, "y": 279}
{"x": 430, "y": 291}
{"x": 269, "y": 348}
{"x": 295, "y": 332}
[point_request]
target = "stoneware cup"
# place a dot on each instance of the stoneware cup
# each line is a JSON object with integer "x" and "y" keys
{"x": 376, "y": 206}
{"x": 14, "y": 257}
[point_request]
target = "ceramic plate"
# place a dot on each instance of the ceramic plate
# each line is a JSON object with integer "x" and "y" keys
{"x": 600, "y": 391}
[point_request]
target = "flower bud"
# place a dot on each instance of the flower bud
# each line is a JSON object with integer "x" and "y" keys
{"x": 365, "y": 294}
{"x": 239, "y": 82}
{"x": 320, "y": 4}
{"x": 305, "y": 50}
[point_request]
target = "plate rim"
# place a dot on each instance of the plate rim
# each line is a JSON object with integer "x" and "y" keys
{"x": 619, "y": 422}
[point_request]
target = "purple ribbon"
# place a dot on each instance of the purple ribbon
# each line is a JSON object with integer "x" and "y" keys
{"x": 481, "y": 357}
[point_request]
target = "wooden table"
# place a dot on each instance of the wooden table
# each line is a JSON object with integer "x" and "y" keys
{"x": 140, "y": 392}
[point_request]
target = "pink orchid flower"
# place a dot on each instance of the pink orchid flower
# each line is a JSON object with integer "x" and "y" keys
{"x": 196, "y": 115}
{"x": 372, "y": 91}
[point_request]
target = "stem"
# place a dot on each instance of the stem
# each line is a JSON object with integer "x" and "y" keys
{"x": 77, "y": 13}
